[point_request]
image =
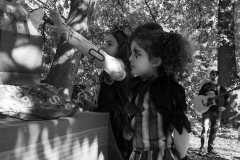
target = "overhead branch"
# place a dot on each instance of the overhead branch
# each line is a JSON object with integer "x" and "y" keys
{"x": 153, "y": 17}
{"x": 128, "y": 25}
{"x": 167, "y": 19}
{"x": 199, "y": 10}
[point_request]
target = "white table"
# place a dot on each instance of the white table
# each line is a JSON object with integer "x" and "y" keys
{"x": 86, "y": 136}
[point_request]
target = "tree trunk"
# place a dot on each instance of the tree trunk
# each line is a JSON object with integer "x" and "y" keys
{"x": 226, "y": 50}
{"x": 66, "y": 61}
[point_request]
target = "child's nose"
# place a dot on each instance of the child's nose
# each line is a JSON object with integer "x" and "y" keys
{"x": 130, "y": 58}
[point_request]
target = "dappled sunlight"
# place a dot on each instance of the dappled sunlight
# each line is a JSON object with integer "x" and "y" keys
{"x": 237, "y": 98}
{"x": 4, "y": 76}
{"x": 74, "y": 61}
{"x": 65, "y": 57}
{"x": 66, "y": 91}
{"x": 86, "y": 150}
{"x": 30, "y": 151}
{"x": 84, "y": 137}
{"x": 27, "y": 56}
{"x": 82, "y": 26}
{"x": 101, "y": 156}
{"x": 49, "y": 150}
{"x": 18, "y": 144}
{"x": 8, "y": 63}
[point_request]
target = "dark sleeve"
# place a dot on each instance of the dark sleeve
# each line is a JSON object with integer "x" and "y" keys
{"x": 159, "y": 95}
{"x": 169, "y": 100}
{"x": 178, "y": 107}
{"x": 202, "y": 90}
{"x": 178, "y": 94}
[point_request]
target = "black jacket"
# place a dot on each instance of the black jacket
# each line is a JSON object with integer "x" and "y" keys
{"x": 168, "y": 97}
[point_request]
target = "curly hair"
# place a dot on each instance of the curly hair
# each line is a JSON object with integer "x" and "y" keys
{"x": 174, "y": 49}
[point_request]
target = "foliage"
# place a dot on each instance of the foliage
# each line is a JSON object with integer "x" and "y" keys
{"x": 195, "y": 19}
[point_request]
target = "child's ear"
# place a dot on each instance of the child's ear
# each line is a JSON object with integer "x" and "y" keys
{"x": 156, "y": 61}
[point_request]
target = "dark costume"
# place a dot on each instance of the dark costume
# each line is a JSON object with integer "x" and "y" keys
{"x": 112, "y": 98}
{"x": 160, "y": 105}
{"x": 212, "y": 114}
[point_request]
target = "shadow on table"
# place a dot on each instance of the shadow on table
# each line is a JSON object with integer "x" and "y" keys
{"x": 86, "y": 135}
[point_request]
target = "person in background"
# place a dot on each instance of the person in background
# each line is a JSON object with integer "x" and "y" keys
{"x": 211, "y": 118}
{"x": 112, "y": 94}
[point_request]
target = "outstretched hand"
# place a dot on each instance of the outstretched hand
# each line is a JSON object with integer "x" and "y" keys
{"x": 17, "y": 10}
{"x": 57, "y": 20}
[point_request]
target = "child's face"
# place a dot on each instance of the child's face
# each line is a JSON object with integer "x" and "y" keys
{"x": 110, "y": 46}
{"x": 140, "y": 63}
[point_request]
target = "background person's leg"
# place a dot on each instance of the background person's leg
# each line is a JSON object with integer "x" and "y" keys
{"x": 215, "y": 124}
{"x": 205, "y": 126}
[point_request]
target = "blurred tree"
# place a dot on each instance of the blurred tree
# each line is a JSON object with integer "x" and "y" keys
{"x": 66, "y": 60}
{"x": 226, "y": 43}
{"x": 226, "y": 51}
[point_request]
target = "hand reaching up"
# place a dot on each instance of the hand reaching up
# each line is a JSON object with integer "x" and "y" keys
{"x": 57, "y": 20}
{"x": 16, "y": 10}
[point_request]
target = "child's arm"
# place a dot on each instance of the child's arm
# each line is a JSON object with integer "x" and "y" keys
{"x": 88, "y": 105}
{"x": 181, "y": 142}
{"x": 181, "y": 130}
{"x": 85, "y": 103}
{"x": 114, "y": 67}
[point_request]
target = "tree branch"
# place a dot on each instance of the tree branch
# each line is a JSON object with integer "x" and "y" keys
{"x": 153, "y": 17}
{"x": 128, "y": 25}
{"x": 199, "y": 10}
{"x": 167, "y": 19}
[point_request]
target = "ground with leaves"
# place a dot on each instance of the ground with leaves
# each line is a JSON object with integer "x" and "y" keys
{"x": 227, "y": 145}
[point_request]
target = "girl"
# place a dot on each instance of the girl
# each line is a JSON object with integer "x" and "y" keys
{"x": 113, "y": 59}
{"x": 158, "y": 100}
{"x": 113, "y": 95}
